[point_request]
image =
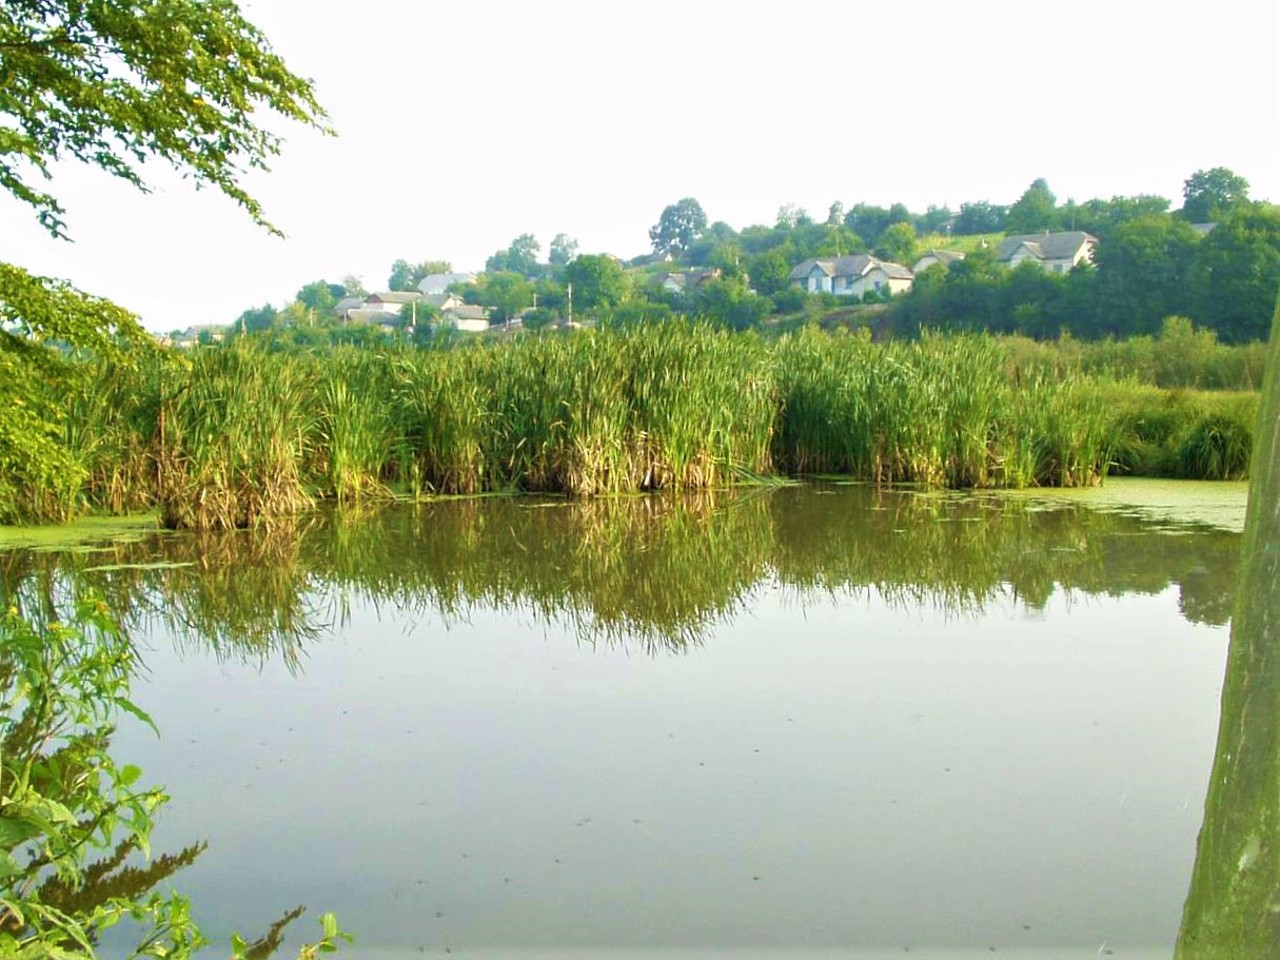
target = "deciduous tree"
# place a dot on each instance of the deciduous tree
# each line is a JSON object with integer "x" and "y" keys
{"x": 563, "y": 249}
{"x": 598, "y": 282}
{"x": 1036, "y": 210}
{"x": 680, "y": 224}
{"x": 1210, "y": 194}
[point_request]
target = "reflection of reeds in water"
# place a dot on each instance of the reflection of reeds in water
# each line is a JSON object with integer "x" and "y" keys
{"x": 648, "y": 571}
{"x": 654, "y": 572}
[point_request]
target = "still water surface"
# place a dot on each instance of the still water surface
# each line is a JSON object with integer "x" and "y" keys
{"x": 821, "y": 720}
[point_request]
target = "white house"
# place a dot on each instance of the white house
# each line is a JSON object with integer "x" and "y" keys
{"x": 930, "y": 257}
{"x": 1055, "y": 252}
{"x": 437, "y": 283}
{"x": 392, "y": 301}
{"x": 466, "y": 318}
{"x": 851, "y": 276}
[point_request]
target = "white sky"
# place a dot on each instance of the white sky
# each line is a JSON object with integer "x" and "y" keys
{"x": 464, "y": 123}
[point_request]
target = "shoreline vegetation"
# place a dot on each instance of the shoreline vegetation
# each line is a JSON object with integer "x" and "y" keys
{"x": 237, "y": 435}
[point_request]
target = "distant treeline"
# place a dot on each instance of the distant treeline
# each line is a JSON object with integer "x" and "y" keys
{"x": 1216, "y": 261}
{"x": 234, "y": 436}
{"x": 1145, "y": 270}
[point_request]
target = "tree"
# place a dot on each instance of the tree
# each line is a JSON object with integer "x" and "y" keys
{"x": 835, "y": 214}
{"x": 1035, "y": 211}
{"x": 837, "y": 241}
{"x": 727, "y": 301}
{"x": 791, "y": 216}
{"x": 727, "y": 257}
{"x": 979, "y": 217}
{"x": 563, "y": 249}
{"x": 520, "y": 257}
{"x": 867, "y": 221}
{"x": 354, "y": 286}
{"x": 598, "y": 282}
{"x": 770, "y": 272}
{"x": 505, "y": 294}
{"x": 1210, "y": 194}
{"x": 1142, "y": 274}
{"x": 113, "y": 85}
{"x": 898, "y": 244}
{"x": 407, "y": 276}
{"x": 1236, "y": 272}
{"x": 320, "y": 296}
{"x": 934, "y": 220}
{"x": 256, "y": 319}
{"x": 680, "y": 224}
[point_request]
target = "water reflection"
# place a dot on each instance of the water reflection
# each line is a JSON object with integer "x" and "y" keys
{"x": 651, "y": 573}
{"x": 499, "y": 761}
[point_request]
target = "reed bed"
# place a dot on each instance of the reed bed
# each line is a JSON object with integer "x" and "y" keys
{"x": 241, "y": 435}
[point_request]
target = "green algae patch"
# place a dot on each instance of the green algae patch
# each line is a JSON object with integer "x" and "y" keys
{"x": 81, "y": 534}
{"x": 1214, "y": 503}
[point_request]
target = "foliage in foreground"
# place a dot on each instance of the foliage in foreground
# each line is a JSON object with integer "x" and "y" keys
{"x": 75, "y": 825}
{"x": 234, "y": 436}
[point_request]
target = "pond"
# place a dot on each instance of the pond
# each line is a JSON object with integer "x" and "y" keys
{"x": 803, "y": 720}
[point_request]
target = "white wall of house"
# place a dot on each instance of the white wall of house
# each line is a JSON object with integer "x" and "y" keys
{"x": 818, "y": 282}
{"x": 1061, "y": 265}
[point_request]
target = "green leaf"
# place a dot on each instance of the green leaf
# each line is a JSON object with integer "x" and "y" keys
{"x": 9, "y": 867}
{"x": 129, "y": 775}
{"x": 131, "y": 708}
{"x": 14, "y": 832}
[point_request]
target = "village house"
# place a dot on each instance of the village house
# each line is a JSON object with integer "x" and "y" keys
{"x": 930, "y": 257}
{"x": 391, "y": 301}
{"x": 852, "y": 276}
{"x": 688, "y": 280}
{"x": 192, "y": 336}
{"x": 466, "y": 318}
{"x": 1055, "y": 252}
{"x": 434, "y": 284}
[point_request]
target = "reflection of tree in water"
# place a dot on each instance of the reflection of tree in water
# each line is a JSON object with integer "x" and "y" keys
{"x": 651, "y": 572}
{"x": 75, "y": 824}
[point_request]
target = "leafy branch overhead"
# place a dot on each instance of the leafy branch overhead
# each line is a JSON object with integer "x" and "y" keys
{"x": 114, "y": 83}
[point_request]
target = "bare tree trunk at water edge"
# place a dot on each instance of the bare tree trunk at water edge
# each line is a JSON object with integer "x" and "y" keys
{"x": 1233, "y": 906}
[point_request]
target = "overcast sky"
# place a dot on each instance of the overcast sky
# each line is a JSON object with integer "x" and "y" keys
{"x": 464, "y": 123}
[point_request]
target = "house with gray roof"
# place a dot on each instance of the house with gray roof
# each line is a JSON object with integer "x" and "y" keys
{"x": 686, "y": 280}
{"x": 852, "y": 276}
{"x": 347, "y": 303}
{"x": 1055, "y": 252}
{"x": 392, "y": 301}
{"x": 437, "y": 283}
{"x": 930, "y": 257}
{"x": 465, "y": 317}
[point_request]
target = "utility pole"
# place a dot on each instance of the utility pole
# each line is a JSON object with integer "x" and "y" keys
{"x": 569, "y": 289}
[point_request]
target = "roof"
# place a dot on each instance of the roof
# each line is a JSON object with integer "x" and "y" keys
{"x": 805, "y": 268}
{"x": 944, "y": 257}
{"x": 371, "y": 315}
{"x": 394, "y": 296}
{"x": 439, "y": 300}
{"x": 854, "y": 265}
{"x": 894, "y": 271}
{"x": 467, "y": 312}
{"x": 439, "y": 282}
{"x": 1046, "y": 246}
{"x": 347, "y": 303}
